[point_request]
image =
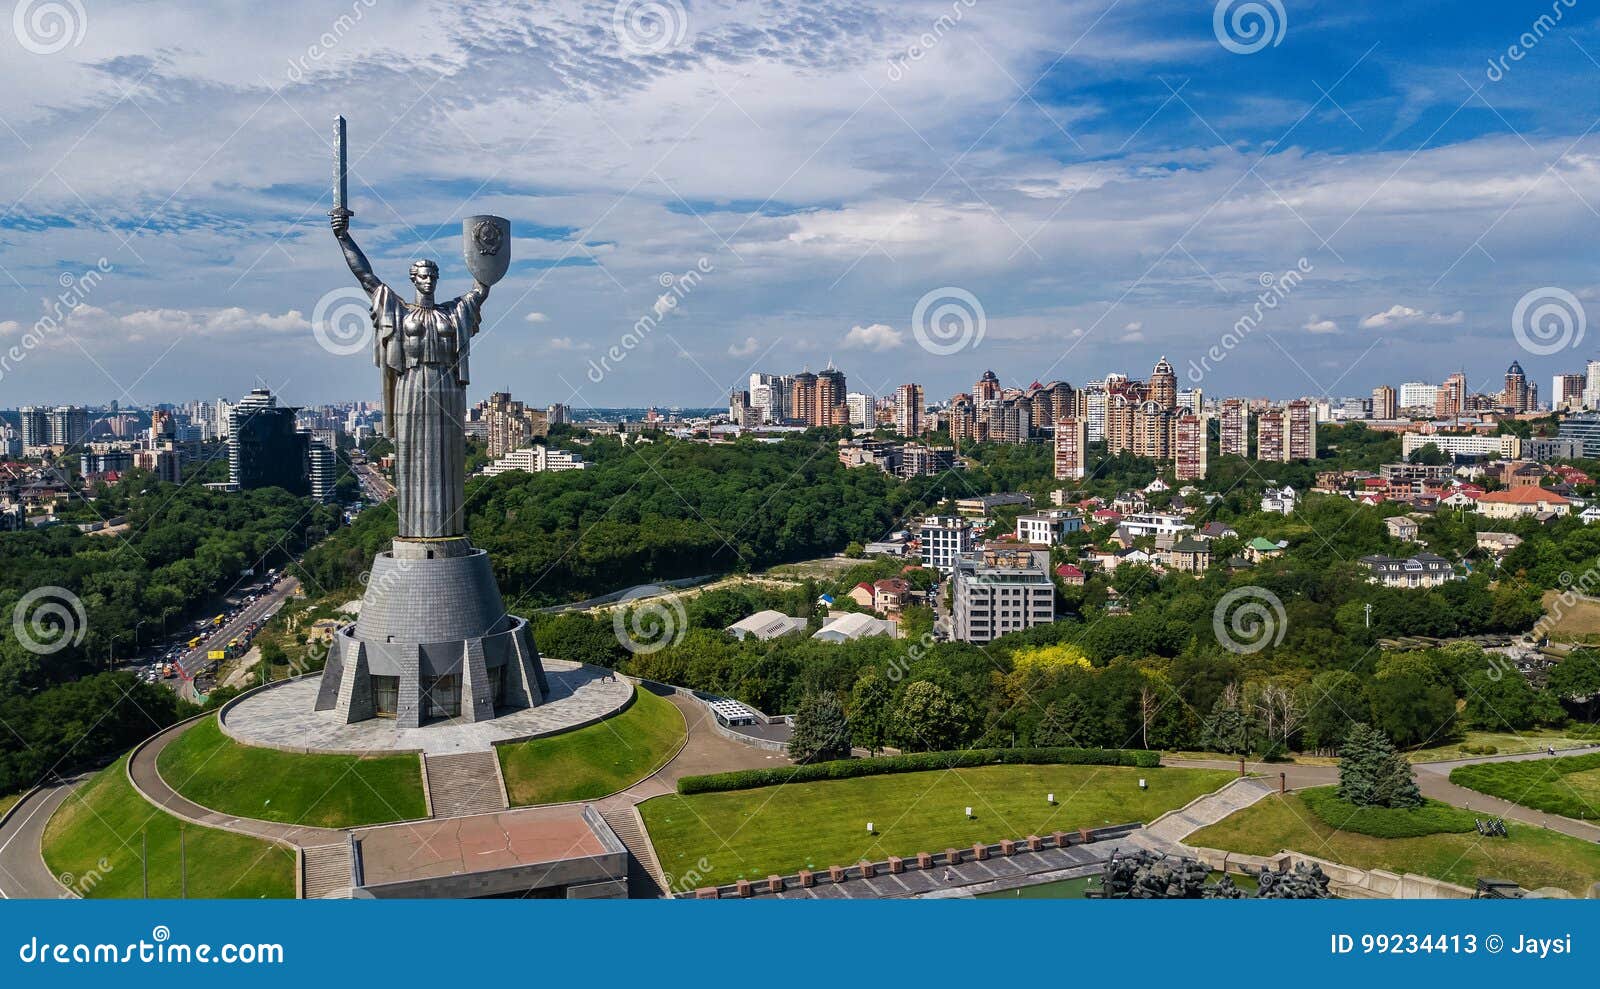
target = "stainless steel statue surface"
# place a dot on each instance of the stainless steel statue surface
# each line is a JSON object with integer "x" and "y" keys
{"x": 421, "y": 348}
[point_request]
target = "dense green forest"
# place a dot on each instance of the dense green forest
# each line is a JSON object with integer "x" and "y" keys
{"x": 183, "y": 545}
{"x": 670, "y": 509}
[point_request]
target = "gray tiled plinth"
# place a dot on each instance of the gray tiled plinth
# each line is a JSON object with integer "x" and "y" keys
{"x": 283, "y": 716}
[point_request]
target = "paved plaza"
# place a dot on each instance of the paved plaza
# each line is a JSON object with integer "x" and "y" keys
{"x": 283, "y": 717}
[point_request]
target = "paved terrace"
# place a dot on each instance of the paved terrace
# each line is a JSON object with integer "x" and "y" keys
{"x": 283, "y": 717}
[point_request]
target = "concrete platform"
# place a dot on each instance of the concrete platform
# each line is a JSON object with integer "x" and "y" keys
{"x": 283, "y": 717}
{"x": 565, "y": 850}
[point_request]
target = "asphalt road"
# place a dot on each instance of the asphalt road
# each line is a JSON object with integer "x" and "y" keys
{"x": 23, "y": 875}
{"x": 264, "y": 607}
{"x": 374, "y": 486}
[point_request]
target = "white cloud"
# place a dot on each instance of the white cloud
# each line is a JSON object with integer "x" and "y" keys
{"x": 1133, "y": 332}
{"x": 1317, "y": 324}
{"x": 567, "y": 343}
{"x": 746, "y": 349}
{"x": 878, "y": 337}
{"x": 537, "y": 317}
{"x": 9, "y": 327}
{"x": 1398, "y": 315}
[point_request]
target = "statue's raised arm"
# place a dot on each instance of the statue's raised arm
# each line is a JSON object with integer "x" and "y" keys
{"x": 359, "y": 265}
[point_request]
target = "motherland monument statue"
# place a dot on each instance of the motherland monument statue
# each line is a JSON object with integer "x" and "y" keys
{"x": 433, "y": 640}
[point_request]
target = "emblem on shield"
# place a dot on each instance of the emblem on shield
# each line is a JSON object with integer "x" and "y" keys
{"x": 486, "y": 245}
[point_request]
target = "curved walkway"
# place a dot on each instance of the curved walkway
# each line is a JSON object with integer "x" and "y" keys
{"x": 1433, "y": 779}
{"x": 23, "y": 874}
{"x": 147, "y": 780}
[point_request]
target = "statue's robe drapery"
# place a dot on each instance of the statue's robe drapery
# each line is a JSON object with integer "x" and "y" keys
{"x": 422, "y": 352}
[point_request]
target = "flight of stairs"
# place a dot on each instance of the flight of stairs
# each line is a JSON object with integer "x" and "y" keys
{"x": 1174, "y": 827}
{"x": 327, "y": 872}
{"x": 643, "y": 869}
{"x": 464, "y": 783}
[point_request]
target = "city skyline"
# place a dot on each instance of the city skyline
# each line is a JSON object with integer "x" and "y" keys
{"x": 1092, "y": 179}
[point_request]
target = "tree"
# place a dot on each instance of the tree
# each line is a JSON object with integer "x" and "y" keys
{"x": 1409, "y": 709}
{"x": 1330, "y": 701}
{"x": 1372, "y": 773}
{"x": 870, "y": 710}
{"x": 1065, "y": 723}
{"x": 821, "y": 731}
{"x": 1576, "y": 680}
{"x": 1226, "y": 728}
{"x": 1501, "y": 699}
{"x": 927, "y": 719}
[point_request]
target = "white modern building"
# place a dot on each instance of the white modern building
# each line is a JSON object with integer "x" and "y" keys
{"x": 943, "y": 539}
{"x": 534, "y": 460}
{"x": 1468, "y": 444}
{"x": 1001, "y": 589}
{"x": 1049, "y": 527}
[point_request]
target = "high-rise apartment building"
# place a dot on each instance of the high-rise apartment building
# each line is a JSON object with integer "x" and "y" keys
{"x": 1451, "y": 399}
{"x": 1384, "y": 402}
{"x": 264, "y": 448}
{"x": 1234, "y": 428}
{"x": 860, "y": 410}
{"x": 910, "y": 411}
{"x": 1287, "y": 433}
{"x": 830, "y": 408}
{"x": 1418, "y": 395}
{"x": 1518, "y": 394}
{"x": 803, "y": 398}
{"x": 1071, "y": 449}
{"x": 1189, "y": 446}
{"x": 987, "y": 389}
{"x": 511, "y": 425}
{"x": 1162, "y": 388}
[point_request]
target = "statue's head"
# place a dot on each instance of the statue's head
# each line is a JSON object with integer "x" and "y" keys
{"x": 425, "y": 276}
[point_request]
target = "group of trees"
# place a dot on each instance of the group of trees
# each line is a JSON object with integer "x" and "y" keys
{"x": 82, "y": 599}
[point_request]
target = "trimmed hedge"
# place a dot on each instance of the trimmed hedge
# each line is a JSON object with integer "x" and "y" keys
{"x": 1432, "y": 817}
{"x": 844, "y": 769}
{"x": 1536, "y": 783}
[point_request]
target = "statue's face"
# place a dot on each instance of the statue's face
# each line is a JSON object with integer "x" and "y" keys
{"x": 425, "y": 279}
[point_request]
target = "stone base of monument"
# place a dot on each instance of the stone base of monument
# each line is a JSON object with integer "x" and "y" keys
{"x": 433, "y": 641}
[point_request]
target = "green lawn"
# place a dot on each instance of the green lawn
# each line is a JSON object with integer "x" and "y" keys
{"x": 9, "y": 801}
{"x": 1506, "y": 743}
{"x": 326, "y": 791}
{"x": 594, "y": 761}
{"x": 94, "y": 838}
{"x": 1569, "y": 786}
{"x": 779, "y": 829}
{"x": 1530, "y": 857}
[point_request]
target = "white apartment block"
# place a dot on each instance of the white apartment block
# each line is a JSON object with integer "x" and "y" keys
{"x": 999, "y": 590}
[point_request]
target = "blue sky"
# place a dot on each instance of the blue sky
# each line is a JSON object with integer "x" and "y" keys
{"x": 1111, "y": 181}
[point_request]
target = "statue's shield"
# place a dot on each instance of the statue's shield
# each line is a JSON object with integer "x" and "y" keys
{"x": 486, "y": 243}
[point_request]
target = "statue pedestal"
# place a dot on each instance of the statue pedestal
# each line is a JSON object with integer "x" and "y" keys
{"x": 433, "y": 641}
